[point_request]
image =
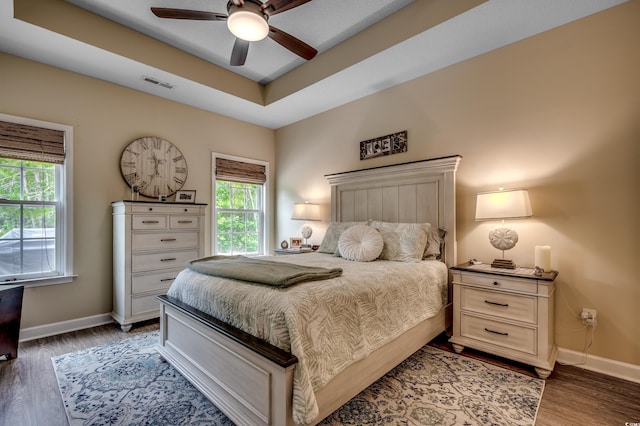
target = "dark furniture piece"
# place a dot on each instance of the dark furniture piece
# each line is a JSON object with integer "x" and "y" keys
{"x": 10, "y": 313}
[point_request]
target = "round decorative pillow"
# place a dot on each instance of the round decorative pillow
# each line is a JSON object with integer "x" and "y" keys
{"x": 360, "y": 243}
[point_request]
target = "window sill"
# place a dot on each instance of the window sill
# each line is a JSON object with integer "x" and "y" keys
{"x": 40, "y": 282}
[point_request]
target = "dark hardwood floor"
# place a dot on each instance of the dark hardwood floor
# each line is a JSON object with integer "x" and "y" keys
{"x": 29, "y": 393}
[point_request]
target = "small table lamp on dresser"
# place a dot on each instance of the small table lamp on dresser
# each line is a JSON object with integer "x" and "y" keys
{"x": 508, "y": 313}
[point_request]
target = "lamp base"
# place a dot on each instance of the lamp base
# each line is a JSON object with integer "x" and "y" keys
{"x": 503, "y": 264}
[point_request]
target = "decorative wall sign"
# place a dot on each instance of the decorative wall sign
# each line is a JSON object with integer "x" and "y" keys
{"x": 384, "y": 145}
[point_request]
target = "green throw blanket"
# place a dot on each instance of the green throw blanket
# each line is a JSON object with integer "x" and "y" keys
{"x": 255, "y": 270}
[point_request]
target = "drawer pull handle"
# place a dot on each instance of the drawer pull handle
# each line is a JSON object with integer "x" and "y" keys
{"x": 496, "y": 283}
{"x": 164, "y": 240}
{"x": 150, "y": 221}
{"x": 185, "y": 221}
{"x": 506, "y": 305}
{"x": 167, "y": 279}
{"x": 495, "y": 332}
{"x": 169, "y": 259}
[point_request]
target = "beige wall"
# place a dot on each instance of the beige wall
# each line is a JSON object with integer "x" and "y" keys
{"x": 558, "y": 114}
{"x": 105, "y": 117}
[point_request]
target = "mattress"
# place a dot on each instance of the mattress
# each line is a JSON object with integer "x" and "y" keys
{"x": 329, "y": 324}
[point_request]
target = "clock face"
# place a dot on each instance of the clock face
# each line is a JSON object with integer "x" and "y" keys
{"x": 155, "y": 165}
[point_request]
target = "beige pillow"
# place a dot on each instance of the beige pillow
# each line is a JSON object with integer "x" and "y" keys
{"x": 403, "y": 242}
{"x": 360, "y": 243}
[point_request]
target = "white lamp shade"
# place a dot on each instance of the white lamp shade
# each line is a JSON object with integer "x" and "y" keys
{"x": 503, "y": 205}
{"x": 248, "y": 25}
{"x": 306, "y": 211}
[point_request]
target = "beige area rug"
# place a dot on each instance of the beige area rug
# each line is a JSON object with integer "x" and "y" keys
{"x": 127, "y": 382}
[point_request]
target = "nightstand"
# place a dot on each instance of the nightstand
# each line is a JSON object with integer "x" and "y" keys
{"x": 508, "y": 313}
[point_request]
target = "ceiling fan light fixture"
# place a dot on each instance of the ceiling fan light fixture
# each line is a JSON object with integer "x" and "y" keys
{"x": 248, "y": 25}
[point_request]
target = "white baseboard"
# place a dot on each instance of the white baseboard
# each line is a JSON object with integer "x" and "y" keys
{"x": 598, "y": 364}
{"x": 46, "y": 330}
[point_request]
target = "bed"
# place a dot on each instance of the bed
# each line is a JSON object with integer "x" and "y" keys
{"x": 261, "y": 381}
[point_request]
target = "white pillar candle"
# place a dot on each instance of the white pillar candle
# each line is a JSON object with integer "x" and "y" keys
{"x": 543, "y": 258}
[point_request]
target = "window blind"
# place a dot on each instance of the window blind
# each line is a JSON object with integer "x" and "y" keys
{"x": 239, "y": 171}
{"x": 31, "y": 143}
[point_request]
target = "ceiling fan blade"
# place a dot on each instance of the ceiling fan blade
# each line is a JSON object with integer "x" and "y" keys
{"x": 288, "y": 41}
{"x": 197, "y": 15}
{"x": 272, "y": 7}
{"x": 239, "y": 52}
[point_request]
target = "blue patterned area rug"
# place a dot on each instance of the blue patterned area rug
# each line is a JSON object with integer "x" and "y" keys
{"x": 128, "y": 383}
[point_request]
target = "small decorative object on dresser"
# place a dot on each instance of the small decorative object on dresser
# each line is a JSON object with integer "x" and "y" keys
{"x": 152, "y": 241}
{"x": 186, "y": 196}
{"x": 508, "y": 313}
{"x": 295, "y": 242}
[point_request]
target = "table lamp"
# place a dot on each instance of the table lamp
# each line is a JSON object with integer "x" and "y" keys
{"x": 307, "y": 212}
{"x": 511, "y": 204}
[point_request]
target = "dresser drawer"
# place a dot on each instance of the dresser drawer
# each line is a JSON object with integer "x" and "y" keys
{"x": 183, "y": 222}
{"x": 166, "y": 209}
{"x": 153, "y": 282}
{"x": 500, "y": 283}
{"x": 154, "y": 261}
{"x": 148, "y": 222}
{"x": 164, "y": 241}
{"x": 144, "y": 304}
{"x": 502, "y": 305}
{"x": 499, "y": 333}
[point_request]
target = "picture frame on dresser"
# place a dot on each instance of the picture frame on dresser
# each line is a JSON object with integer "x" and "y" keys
{"x": 185, "y": 196}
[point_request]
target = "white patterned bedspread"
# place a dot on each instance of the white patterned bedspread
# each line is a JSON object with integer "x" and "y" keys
{"x": 327, "y": 324}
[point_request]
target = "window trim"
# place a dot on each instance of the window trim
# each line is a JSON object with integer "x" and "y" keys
{"x": 265, "y": 200}
{"x": 66, "y": 208}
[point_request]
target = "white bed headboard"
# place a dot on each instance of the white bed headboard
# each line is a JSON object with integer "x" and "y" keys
{"x": 420, "y": 191}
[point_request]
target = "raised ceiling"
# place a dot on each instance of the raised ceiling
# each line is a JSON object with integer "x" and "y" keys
{"x": 365, "y": 46}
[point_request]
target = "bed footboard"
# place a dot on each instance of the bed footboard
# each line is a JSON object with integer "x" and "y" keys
{"x": 247, "y": 379}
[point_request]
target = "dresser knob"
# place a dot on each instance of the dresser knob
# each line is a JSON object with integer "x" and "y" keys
{"x": 150, "y": 209}
{"x": 496, "y": 283}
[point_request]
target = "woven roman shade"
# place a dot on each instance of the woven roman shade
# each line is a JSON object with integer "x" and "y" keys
{"x": 31, "y": 143}
{"x": 239, "y": 171}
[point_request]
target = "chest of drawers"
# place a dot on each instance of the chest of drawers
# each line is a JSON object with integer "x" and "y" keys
{"x": 509, "y": 314}
{"x": 151, "y": 244}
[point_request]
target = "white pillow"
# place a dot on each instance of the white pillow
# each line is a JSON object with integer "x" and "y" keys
{"x": 360, "y": 243}
{"x": 329, "y": 243}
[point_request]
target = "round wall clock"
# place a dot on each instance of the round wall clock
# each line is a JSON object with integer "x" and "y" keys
{"x": 154, "y": 165}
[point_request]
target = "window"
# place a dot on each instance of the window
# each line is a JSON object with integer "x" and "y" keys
{"x": 239, "y": 194}
{"x": 35, "y": 216}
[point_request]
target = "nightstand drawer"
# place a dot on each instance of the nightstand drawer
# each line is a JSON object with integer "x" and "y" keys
{"x": 164, "y": 241}
{"x": 500, "y": 283}
{"x": 498, "y": 333}
{"x": 503, "y": 305}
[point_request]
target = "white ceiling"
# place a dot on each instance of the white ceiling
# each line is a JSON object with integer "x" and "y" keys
{"x": 322, "y": 24}
{"x": 489, "y": 26}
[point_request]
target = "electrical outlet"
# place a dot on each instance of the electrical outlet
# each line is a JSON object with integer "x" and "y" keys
{"x": 589, "y": 316}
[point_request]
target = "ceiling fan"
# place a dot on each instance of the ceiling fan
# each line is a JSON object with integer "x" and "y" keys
{"x": 248, "y": 21}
